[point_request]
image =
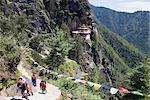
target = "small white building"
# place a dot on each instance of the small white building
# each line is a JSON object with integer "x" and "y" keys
{"x": 82, "y": 30}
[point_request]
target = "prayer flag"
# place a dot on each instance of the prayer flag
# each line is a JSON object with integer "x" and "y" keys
{"x": 77, "y": 81}
{"x": 137, "y": 93}
{"x": 113, "y": 90}
{"x": 97, "y": 86}
{"x": 73, "y": 79}
{"x": 123, "y": 90}
{"x": 60, "y": 76}
{"x": 104, "y": 88}
{"x": 69, "y": 78}
{"x": 83, "y": 81}
{"x": 91, "y": 84}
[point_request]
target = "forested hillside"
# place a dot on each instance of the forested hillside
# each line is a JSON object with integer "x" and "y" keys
{"x": 134, "y": 27}
{"x": 123, "y": 56}
{"x": 63, "y": 36}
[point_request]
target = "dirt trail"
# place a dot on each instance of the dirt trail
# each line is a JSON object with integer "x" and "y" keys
{"x": 53, "y": 92}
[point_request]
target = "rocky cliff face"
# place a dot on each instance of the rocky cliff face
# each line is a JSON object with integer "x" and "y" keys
{"x": 31, "y": 9}
{"x": 44, "y": 15}
{"x": 71, "y": 12}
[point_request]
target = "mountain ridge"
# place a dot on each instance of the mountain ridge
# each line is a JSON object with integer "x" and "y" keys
{"x": 134, "y": 27}
{"x": 102, "y": 7}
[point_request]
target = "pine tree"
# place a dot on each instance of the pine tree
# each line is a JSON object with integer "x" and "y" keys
{"x": 60, "y": 47}
{"x": 140, "y": 80}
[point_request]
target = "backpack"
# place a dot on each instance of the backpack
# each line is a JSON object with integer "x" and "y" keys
{"x": 25, "y": 86}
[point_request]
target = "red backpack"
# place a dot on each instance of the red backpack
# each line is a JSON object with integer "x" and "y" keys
{"x": 43, "y": 85}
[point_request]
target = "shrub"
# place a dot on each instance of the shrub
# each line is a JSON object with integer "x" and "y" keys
{"x": 9, "y": 53}
{"x": 69, "y": 66}
{"x": 78, "y": 92}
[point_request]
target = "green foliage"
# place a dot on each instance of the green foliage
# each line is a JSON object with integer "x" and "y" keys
{"x": 96, "y": 39}
{"x": 128, "y": 53}
{"x": 7, "y": 25}
{"x": 81, "y": 93}
{"x": 66, "y": 29}
{"x": 22, "y": 22}
{"x": 54, "y": 59}
{"x": 7, "y": 82}
{"x": 15, "y": 26}
{"x": 9, "y": 53}
{"x": 119, "y": 67}
{"x": 60, "y": 47}
{"x": 35, "y": 55}
{"x": 95, "y": 76}
{"x": 69, "y": 66}
{"x": 140, "y": 80}
{"x": 76, "y": 53}
{"x": 9, "y": 59}
{"x": 64, "y": 84}
{"x": 78, "y": 92}
{"x": 35, "y": 44}
{"x": 10, "y": 82}
{"x": 1, "y": 86}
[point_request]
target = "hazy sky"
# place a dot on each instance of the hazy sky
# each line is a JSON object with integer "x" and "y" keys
{"x": 123, "y": 5}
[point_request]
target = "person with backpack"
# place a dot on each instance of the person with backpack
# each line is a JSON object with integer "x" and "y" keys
{"x": 23, "y": 86}
{"x": 34, "y": 78}
{"x": 43, "y": 87}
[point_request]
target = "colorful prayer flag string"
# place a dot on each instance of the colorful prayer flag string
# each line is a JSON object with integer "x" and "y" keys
{"x": 96, "y": 86}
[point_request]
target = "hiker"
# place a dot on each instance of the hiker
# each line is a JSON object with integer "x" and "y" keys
{"x": 30, "y": 92}
{"x": 43, "y": 86}
{"x": 18, "y": 86}
{"x": 34, "y": 80}
{"x": 23, "y": 86}
{"x": 29, "y": 87}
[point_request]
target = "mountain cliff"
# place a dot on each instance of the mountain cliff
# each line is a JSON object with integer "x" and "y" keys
{"x": 134, "y": 27}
